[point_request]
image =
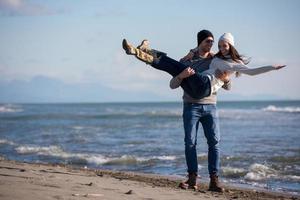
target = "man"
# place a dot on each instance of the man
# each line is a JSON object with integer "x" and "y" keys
{"x": 201, "y": 110}
{"x": 195, "y": 110}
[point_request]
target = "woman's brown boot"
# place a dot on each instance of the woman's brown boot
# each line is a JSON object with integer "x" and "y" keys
{"x": 144, "y": 46}
{"x": 139, "y": 54}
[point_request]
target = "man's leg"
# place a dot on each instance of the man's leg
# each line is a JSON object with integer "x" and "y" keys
{"x": 210, "y": 123}
{"x": 191, "y": 124}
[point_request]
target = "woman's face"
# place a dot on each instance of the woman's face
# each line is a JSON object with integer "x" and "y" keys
{"x": 224, "y": 47}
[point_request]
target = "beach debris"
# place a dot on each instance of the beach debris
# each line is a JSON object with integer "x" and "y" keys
{"x": 22, "y": 170}
{"x": 89, "y": 184}
{"x": 129, "y": 192}
{"x": 87, "y": 195}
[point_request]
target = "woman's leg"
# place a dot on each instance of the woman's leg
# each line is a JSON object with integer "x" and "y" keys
{"x": 139, "y": 54}
{"x": 197, "y": 86}
{"x": 169, "y": 65}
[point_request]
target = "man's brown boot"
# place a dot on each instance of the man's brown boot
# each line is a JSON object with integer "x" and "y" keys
{"x": 139, "y": 54}
{"x": 191, "y": 183}
{"x": 214, "y": 184}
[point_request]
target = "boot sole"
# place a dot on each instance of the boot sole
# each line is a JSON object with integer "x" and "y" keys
{"x": 125, "y": 47}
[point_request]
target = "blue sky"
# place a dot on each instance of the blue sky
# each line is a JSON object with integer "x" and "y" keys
{"x": 56, "y": 51}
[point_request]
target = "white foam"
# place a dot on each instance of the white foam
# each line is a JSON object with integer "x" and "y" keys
{"x": 259, "y": 172}
{"x": 4, "y": 141}
{"x": 232, "y": 170}
{"x": 10, "y": 108}
{"x": 292, "y": 177}
{"x": 175, "y": 113}
{"x": 165, "y": 157}
{"x": 96, "y": 159}
{"x": 272, "y": 108}
{"x": 57, "y": 151}
{"x": 51, "y": 150}
{"x": 78, "y": 127}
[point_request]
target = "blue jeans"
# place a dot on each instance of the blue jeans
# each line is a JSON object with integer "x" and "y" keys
{"x": 207, "y": 114}
{"x": 197, "y": 85}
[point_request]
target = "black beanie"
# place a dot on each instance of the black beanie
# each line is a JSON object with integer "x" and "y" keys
{"x": 202, "y": 35}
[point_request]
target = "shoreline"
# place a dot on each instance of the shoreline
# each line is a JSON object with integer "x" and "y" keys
{"x": 58, "y": 181}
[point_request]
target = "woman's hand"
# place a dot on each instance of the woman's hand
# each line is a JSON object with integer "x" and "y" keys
{"x": 186, "y": 73}
{"x": 278, "y": 66}
{"x": 222, "y": 75}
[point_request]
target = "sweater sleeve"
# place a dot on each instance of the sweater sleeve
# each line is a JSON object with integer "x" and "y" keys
{"x": 251, "y": 71}
{"x": 175, "y": 82}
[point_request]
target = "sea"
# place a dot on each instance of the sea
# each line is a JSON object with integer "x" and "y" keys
{"x": 260, "y": 140}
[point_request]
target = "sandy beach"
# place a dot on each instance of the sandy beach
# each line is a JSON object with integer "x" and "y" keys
{"x": 44, "y": 181}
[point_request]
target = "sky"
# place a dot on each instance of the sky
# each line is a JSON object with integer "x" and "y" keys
{"x": 70, "y": 51}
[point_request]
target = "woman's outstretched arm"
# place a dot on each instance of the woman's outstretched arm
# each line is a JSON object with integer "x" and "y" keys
{"x": 255, "y": 71}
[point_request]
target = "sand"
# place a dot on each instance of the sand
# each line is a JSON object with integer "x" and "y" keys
{"x": 27, "y": 181}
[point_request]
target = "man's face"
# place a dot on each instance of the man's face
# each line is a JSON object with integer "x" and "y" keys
{"x": 206, "y": 44}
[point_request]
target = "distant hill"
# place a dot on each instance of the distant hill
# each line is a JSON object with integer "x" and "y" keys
{"x": 42, "y": 89}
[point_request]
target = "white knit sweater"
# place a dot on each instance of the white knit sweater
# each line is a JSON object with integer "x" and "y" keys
{"x": 231, "y": 67}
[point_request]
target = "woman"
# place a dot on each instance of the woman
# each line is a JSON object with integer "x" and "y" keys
{"x": 200, "y": 85}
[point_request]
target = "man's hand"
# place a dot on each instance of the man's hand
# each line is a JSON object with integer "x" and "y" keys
{"x": 186, "y": 73}
{"x": 222, "y": 75}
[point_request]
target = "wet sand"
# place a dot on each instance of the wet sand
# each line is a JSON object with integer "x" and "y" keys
{"x": 46, "y": 181}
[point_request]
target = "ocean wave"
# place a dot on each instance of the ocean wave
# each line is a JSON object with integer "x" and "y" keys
{"x": 258, "y": 172}
{"x": 4, "y": 141}
{"x": 10, "y": 108}
{"x": 164, "y": 157}
{"x": 82, "y": 158}
{"x": 202, "y": 156}
{"x": 164, "y": 113}
{"x": 293, "y": 178}
{"x": 78, "y": 127}
{"x": 231, "y": 172}
{"x": 76, "y": 116}
{"x": 289, "y": 109}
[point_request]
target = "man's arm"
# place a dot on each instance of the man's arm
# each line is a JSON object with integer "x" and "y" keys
{"x": 176, "y": 81}
{"x": 189, "y": 56}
